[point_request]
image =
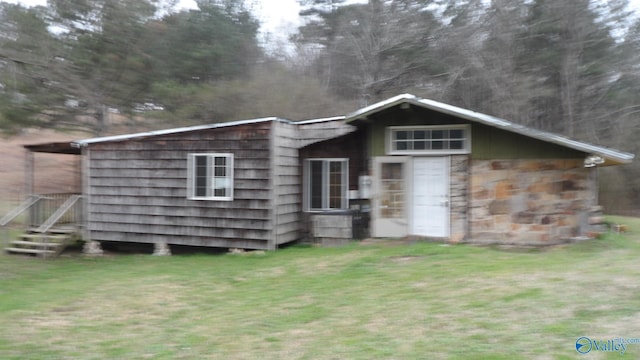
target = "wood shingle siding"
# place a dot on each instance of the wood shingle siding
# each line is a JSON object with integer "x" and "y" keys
{"x": 286, "y": 184}
{"x": 287, "y": 179}
{"x": 138, "y": 192}
{"x": 138, "y": 189}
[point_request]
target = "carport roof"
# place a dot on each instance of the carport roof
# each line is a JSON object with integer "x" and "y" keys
{"x": 54, "y": 148}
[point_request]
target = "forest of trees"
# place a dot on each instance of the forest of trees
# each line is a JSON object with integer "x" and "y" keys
{"x": 571, "y": 66}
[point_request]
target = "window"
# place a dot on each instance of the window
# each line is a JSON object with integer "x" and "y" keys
{"x": 210, "y": 177}
{"x": 326, "y": 184}
{"x": 429, "y": 140}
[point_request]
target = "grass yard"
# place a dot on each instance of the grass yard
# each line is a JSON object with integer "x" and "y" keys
{"x": 380, "y": 301}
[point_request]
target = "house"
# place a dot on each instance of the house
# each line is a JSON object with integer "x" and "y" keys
{"x": 402, "y": 167}
{"x": 431, "y": 170}
{"x": 230, "y": 185}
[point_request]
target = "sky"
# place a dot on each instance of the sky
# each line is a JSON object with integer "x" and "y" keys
{"x": 275, "y": 15}
{"x": 279, "y": 18}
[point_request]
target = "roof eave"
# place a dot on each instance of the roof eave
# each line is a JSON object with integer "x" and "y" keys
{"x": 321, "y": 120}
{"x": 53, "y": 148}
{"x": 85, "y": 142}
{"x": 363, "y": 113}
{"x": 611, "y": 157}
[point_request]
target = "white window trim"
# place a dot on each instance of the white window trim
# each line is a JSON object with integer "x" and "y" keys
{"x": 465, "y": 150}
{"x": 210, "y": 178}
{"x": 325, "y": 180}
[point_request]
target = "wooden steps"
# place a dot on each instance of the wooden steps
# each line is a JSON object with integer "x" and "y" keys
{"x": 47, "y": 244}
{"x": 36, "y": 244}
{"x": 22, "y": 250}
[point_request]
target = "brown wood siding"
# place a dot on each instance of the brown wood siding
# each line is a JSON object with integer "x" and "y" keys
{"x": 320, "y": 131}
{"x": 138, "y": 190}
{"x": 287, "y": 174}
{"x": 349, "y": 146}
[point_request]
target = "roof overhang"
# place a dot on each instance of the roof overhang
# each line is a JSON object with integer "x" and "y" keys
{"x": 74, "y": 147}
{"x": 145, "y": 134}
{"x": 85, "y": 142}
{"x": 54, "y": 148}
{"x": 610, "y": 156}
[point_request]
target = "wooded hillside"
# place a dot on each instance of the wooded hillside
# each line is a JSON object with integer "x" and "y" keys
{"x": 564, "y": 66}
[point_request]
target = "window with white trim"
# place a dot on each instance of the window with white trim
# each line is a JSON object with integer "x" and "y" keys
{"x": 450, "y": 139}
{"x": 210, "y": 177}
{"x": 326, "y": 184}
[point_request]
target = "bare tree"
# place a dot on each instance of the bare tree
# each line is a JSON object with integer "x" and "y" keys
{"x": 374, "y": 49}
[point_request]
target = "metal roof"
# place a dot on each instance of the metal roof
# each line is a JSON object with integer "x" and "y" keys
{"x": 611, "y": 155}
{"x": 85, "y": 142}
{"x": 315, "y": 121}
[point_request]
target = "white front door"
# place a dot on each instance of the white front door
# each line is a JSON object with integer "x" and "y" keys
{"x": 390, "y": 196}
{"x": 430, "y": 197}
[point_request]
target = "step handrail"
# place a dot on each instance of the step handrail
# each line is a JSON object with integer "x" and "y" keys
{"x": 28, "y": 203}
{"x": 68, "y": 204}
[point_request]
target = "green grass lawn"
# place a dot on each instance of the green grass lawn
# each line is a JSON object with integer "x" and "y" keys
{"x": 380, "y": 301}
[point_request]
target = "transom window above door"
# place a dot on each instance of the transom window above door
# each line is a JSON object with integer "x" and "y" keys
{"x": 451, "y": 139}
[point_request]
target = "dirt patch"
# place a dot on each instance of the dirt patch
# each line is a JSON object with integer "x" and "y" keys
{"x": 405, "y": 258}
{"x": 389, "y": 242}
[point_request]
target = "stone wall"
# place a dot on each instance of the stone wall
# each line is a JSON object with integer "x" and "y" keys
{"x": 529, "y": 202}
{"x": 458, "y": 197}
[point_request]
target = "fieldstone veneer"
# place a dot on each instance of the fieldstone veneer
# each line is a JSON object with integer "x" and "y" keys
{"x": 459, "y": 189}
{"x": 529, "y": 202}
